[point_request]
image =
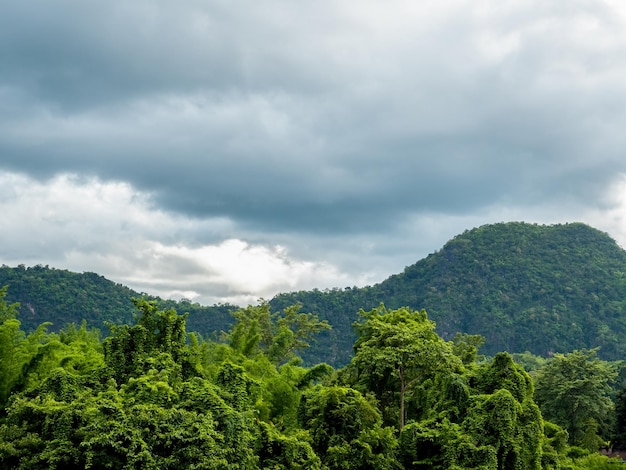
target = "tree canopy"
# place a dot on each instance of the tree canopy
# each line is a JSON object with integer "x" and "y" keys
{"x": 574, "y": 390}
{"x": 150, "y": 395}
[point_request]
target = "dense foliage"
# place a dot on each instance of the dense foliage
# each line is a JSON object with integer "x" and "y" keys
{"x": 153, "y": 396}
{"x": 574, "y": 390}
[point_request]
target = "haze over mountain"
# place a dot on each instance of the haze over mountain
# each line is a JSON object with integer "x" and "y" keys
{"x": 524, "y": 287}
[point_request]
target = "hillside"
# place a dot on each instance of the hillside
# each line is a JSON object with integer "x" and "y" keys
{"x": 60, "y": 297}
{"x": 524, "y": 287}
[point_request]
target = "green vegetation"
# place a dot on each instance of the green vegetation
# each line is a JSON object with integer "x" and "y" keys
{"x": 61, "y": 297}
{"x": 524, "y": 288}
{"x": 152, "y": 396}
{"x": 574, "y": 391}
{"x": 398, "y": 351}
{"x": 252, "y": 387}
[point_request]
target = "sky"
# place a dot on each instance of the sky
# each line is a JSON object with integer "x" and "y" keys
{"x": 227, "y": 151}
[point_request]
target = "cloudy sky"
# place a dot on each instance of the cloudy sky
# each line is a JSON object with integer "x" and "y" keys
{"x": 229, "y": 150}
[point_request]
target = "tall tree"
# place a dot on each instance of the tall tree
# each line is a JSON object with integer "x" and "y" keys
{"x": 128, "y": 349}
{"x": 573, "y": 390}
{"x": 400, "y": 348}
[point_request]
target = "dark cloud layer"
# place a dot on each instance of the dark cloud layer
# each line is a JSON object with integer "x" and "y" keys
{"x": 312, "y": 119}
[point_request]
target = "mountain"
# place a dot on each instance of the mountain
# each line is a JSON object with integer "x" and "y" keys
{"x": 524, "y": 287}
{"x": 60, "y": 297}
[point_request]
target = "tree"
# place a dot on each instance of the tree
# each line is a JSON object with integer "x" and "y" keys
{"x": 466, "y": 347}
{"x": 127, "y": 351}
{"x": 619, "y": 432}
{"x": 491, "y": 424}
{"x": 278, "y": 335}
{"x": 573, "y": 390}
{"x": 346, "y": 429}
{"x": 504, "y": 414}
{"x": 400, "y": 345}
{"x": 13, "y": 353}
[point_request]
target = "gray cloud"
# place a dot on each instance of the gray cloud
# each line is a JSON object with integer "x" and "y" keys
{"x": 316, "y": 124}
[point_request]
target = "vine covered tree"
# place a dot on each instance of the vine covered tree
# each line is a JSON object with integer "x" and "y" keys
{"x": 397, "y": 350}
{"x": 346, "y": 429}
{"x": 129, "y": 350}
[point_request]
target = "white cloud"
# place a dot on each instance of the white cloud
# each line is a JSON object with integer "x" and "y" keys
{"x": 610, "y": 217}
{"x": 111, "y": 229}
{"x": 232, "y": 271}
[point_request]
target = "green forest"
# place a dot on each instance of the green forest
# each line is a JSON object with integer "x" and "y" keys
{"x": 502, "y": 350}
{"x": 151, "y": 395}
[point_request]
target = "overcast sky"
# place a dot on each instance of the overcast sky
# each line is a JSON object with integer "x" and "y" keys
{"x": 229, "y": 150}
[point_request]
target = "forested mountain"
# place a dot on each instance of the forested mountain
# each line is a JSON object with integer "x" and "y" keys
{"x": 524, "y": 287}
{"x": 60, "y": 297}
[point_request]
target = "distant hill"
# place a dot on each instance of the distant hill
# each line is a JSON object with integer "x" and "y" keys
{"x": 60, "y": 297}
{"x": 525, "y": 287}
